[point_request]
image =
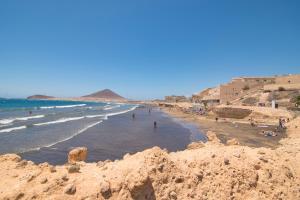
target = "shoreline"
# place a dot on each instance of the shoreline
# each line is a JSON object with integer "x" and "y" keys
{"x": 229, "y": 129}
{"x": 117, "y": 131}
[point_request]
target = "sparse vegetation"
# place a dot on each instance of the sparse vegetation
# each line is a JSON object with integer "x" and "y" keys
{"x": 267, "y": 91}
{"x": 281, "y": 89}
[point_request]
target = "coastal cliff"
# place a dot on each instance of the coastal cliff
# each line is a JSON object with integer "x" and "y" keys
{"x": 203, "y": 171}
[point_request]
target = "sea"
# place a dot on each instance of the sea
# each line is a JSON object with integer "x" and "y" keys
{"x": 45, "y": 130}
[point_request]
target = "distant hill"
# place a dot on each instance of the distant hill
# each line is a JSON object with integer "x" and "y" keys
{"x": 105, "y": 94}
{"x": 39, "y": 96}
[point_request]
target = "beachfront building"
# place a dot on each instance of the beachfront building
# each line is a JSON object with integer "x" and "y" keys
{"x": 208, "y": 97}
{"x": 176, "y": 99}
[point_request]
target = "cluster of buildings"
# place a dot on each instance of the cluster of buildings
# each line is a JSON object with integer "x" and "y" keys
{"x": 236, "y": 88}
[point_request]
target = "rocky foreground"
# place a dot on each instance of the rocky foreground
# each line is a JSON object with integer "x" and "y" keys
{"x": 203, "y": 171}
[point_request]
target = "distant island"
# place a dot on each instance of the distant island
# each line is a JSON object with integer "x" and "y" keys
{"x": 39, "y": 96}
{"x": 105, "y": 94}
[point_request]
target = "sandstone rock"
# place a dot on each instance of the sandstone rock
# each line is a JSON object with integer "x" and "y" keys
{"x": 226, "y": 161}
{"x": 105, "y": 190}
{"x": 65, "y": 177}
{"x": 73, "y": 168}
{"x": 52, "y": 169}
{"x": 22, "y": 164}
{"x": 173, "y": 195}
{"x": 43, "y": 180}
{"x": 195, "y": 145}
{"x": 70, "y": 189}
{"x": 212, "y": 137}
{"x": 264, "y": 159}
{"x": 179, "y": 179}
{"x": 77, "y": 154}
{"x": 232, "y": 141}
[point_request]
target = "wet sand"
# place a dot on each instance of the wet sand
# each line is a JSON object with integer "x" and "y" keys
{"x": 121, "y": 134}
{"x": 243, "y": 132}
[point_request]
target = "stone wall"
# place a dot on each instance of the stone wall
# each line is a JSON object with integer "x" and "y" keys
{"x": 289, "y": 79}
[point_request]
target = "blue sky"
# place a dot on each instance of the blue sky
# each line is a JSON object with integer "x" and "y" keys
{"x": 143, "y": 49}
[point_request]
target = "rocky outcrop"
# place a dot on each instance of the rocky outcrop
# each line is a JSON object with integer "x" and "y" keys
{"x": 77, "y": 154}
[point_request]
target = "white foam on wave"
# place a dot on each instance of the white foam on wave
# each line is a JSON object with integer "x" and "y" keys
{"x": 63, "y": 140}
{"x": 111, "y": 107}
{"x": 10, "y": 120}
{"x": 94, "y": 116}
{"x": 121, "y": 112}
{"x": 62, "y": 120}
{"x": 77, "y": 133}
{"x": 66, "y": 106}
{"x": 12, "y": 129}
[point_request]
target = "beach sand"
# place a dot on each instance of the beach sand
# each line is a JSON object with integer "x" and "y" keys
{"x": 228, "y": 129}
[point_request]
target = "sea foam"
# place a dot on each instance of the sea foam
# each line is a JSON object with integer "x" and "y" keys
{"x": 66, "y": 106}
{"x": 10, "y": 120}
{"x": 62, "y": 120}
{"x": 12, "y": 129}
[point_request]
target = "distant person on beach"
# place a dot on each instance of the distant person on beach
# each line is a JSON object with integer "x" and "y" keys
{"x": 30, "y": 112}
{"x": 133, "y": 116}
{"x": 155, "y": 124}
{"x": 217, "y": 119}
{"x": 149, "y": 110}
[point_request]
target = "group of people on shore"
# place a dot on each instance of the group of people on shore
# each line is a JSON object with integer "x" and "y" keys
{"x": 149, "y": 111}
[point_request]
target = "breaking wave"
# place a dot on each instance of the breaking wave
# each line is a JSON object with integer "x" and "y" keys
{"x": 12, "y": 129}
{"x": 10, "y": 120}
{"x": 59, "y": 121}
{"x": 66, "y": 106}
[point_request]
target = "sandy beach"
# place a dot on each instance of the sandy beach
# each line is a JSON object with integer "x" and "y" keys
{"x": 227, "y": 129}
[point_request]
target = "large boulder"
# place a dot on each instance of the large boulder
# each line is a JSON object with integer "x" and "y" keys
{"x": 77, "y": 154}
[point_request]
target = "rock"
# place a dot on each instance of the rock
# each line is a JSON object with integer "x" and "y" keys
{"x": 46, "y": 189}
{"x": 261, "y": 152}
{"x": 212, "y": 137}
{"x": 77, "y": 154}
{"x": 18, "y": 196}
{"x": 257, "y": 167}
{"x": 105, "y": 190}
{"x": 43, "y": 180}
{"x": 22, "y": 164}
{"x": 179, "y": 179}
{"x": 73, "y": 168}
{"x": 52, "y": 169}
{"x": 100, "y": 164}
{"x": 195, "y": 145}
{"x": 173, "y": 195}
{"x": 232, "y": 141}
{"x": 263, "y": 159}
{"x": 65, "y": 177}
{"x": 226, "y": 161}
{"x": 199, "y": 175}
{"x": 70, "y": 189}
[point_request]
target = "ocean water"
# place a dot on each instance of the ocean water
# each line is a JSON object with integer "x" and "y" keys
{"x": 27, "y": 125}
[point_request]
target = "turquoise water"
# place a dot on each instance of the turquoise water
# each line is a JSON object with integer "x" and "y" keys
{"x": 24, "y": 104}
{"x": 27, "y": 125}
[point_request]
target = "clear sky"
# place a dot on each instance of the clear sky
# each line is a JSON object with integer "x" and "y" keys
{"x": 143, "y": 49}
